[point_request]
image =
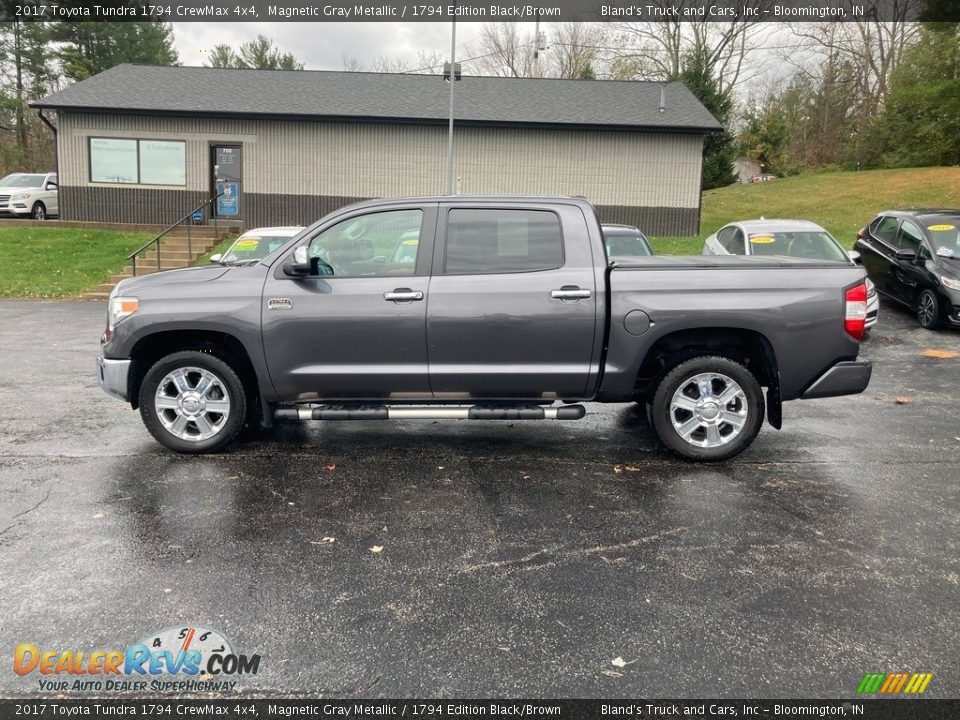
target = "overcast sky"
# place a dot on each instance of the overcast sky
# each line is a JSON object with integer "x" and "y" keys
{"x": 321, "y": 46}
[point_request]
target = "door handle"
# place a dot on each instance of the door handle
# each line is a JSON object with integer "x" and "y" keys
{"x": 570, "y": 292}
{"x": 403, "y": 295}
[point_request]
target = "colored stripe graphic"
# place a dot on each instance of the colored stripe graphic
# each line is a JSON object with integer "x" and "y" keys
{"x": 894, "y": 683}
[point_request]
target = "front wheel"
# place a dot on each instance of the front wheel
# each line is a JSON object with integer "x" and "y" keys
{"x": 708, "y": 408}
{"x": 39, "y": 211}
{"x": 193, "y": 402}
{"x": 928, "y": 310}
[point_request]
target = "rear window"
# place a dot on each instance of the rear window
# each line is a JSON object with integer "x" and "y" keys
{"x": 626, "y": 245}
{"x": 502, "y": 241}
{"x": 811, "y": 245}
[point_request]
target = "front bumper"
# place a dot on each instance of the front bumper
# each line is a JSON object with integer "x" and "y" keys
{"x": 113, "y": 375}
{"x": 845, "y": 378}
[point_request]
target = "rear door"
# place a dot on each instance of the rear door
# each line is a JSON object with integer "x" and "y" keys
{"x": 878, "y": 249}
{"x": 512, "y": 303}
{"x": 360, "y": 332}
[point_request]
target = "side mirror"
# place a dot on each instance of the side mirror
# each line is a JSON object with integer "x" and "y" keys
{"x": 853, "y": 255}
{"x": 51, "y": 186}
{"x": 216, "y": 258}
{"x": 909, "y": 255}
{"x": 299, "y": 265}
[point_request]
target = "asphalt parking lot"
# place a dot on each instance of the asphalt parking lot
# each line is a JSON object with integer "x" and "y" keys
{"x": 515, "y": 559}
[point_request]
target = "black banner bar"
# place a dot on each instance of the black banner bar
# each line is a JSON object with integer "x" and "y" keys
{"x": 479, "y": 10}
{"x": 163, "y": 709}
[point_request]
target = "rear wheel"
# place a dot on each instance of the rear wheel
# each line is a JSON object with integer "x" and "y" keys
{"x": 928, "y": 310}
{"x": 708, "y": 408}
{"x": 193, "y": 402}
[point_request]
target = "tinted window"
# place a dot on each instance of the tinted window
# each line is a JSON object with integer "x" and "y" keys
{"x": 502, "y": 241}
{"x": 622, "y": 244}
{"x": 884, "y": 228}
{"x": 945, "y": 233}
{"x": 369, "y": 245}
{"x": 909, "y": 236}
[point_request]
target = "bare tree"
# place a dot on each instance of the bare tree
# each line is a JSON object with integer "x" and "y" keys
{"x": 656, "y": 50}
{"x": 504, "y": 51}
{"x": 575, "y": 50}
{"x": 426, "y": 63}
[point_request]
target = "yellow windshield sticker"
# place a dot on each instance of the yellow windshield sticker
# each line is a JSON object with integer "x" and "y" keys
{"x": 247, "y": 244}
{"x": 941, "y": 228}
{"x": 762, "y": 239}
{"x": 411, "y": 242}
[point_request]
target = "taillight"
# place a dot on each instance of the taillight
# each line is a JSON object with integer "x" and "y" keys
{"x": 860, "y": 233}
{"x": 855, "y": 316}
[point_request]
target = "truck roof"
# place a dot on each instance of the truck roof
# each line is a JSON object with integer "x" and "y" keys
{"x": 473, "y": 197}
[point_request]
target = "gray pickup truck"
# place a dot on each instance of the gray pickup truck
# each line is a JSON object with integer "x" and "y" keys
{"x": 481, "y": 308}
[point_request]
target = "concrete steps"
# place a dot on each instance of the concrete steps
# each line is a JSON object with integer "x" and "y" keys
{"x": 177, "y": 250}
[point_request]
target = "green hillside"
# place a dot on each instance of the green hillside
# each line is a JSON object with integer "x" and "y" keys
{"x": 843, "y": 202}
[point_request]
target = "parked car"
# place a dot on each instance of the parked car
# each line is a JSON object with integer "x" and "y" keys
{"x": 29, "y": 195}
{"x": 256, "y": 244}
{"x": 790, "y": 238}
{"x": 913, "y": 257}
{"x": 625, "y": 241}
{"x": 763, "y": 177}
{"x": 509, "y": 306}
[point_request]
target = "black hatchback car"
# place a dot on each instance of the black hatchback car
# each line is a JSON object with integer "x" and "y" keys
{"x": 913, "y": 257}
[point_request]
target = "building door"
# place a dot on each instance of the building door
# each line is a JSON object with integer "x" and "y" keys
{"x": 226, "y": 164}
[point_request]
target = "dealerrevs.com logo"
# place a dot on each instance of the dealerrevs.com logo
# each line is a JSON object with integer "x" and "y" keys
{"x": 181, "y": 659}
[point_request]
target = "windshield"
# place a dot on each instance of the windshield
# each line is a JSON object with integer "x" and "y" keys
{"x": 248, "y": 248}
{"x": 627, "y": 245}
{"x": 22, "y": 181}
{"x": 945, "y": 234}
{"x": 813, "y": 245}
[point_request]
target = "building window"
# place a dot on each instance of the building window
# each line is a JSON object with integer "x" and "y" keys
{"x": 138, "y": 162}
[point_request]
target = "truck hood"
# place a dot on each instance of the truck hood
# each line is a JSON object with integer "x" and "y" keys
{"x": 167, "y": 278}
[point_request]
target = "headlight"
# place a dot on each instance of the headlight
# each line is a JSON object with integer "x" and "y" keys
{"x": 950, "y": 282}
{"x": 21, "y": 196}
{"x": 120, "y": 308}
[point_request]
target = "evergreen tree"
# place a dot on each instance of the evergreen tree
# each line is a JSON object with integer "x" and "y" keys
{"x": 258, "y": 53}
{"x": 718, "y": 149}
{"x": 87, "y": 48}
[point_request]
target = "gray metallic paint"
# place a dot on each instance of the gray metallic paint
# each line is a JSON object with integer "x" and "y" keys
{"x": 497, "y": 336}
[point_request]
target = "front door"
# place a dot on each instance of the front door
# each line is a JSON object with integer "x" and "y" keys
{"x": 358, "y": 331}
{"x": 512, "y": 311}
{"x": 906, "y": 275}
{"x": 226, "y": 164}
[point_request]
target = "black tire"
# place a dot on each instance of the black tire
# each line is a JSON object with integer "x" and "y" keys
{"x": 928, "y": 310}
{"x": 228, "y": 386}
{"x": 746, "y": 408}
{"x": 38, "y": 211}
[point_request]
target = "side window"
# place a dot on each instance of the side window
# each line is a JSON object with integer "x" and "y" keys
{"x": 374, "y": 245}
{"x": 731, "y": 238}
{"x": 884, "y": 228}
{"x": 909, "y": 237}
{"x": 502, "y": 241}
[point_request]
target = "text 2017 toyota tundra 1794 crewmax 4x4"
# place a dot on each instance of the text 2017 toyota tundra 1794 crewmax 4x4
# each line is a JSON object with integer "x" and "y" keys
{"x": 497, "y": 308}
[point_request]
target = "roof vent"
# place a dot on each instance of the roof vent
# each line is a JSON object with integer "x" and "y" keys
{"x": 663, "y": 97}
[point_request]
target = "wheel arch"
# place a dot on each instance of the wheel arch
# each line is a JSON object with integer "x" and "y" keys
{"x": 151, "y": 348}
{"x": 748, "y": 347}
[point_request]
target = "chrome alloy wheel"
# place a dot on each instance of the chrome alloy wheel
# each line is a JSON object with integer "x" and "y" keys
{"x": 709, "y": 410}
{"x": 192, "y": 403}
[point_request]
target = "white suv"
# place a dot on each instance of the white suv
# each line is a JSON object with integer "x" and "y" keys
{"x": 29, "y": 195}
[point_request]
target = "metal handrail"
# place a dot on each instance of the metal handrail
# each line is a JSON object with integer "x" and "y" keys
{"x": 132, "y": 257}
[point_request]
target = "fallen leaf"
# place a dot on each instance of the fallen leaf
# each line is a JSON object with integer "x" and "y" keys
{"x": 902, "y": 400}
{"x": 939, "y": 354}
{"x": 290, "y": 503}
{"x": 323, "y": 541}
{"x": 329, "y": 468}
{"x": 376, "y": 549}
{"x": 631, "y": 468}
{"x": 611, "y": 673}
{"x": 618, "y": 662}
{"x": 168, "y": 590}
{"x": 98, "y": 516}
{"x": 439, "y": 467}
{"x": 504, "y": 648}
{"x": 617, "y": 469}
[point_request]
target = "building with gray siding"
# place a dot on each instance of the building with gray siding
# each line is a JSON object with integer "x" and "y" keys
{"x": 146, "y": 144}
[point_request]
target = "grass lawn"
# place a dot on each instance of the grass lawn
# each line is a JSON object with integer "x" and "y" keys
{"x": 43, "y": 262}
{"x": 842, "y": 202}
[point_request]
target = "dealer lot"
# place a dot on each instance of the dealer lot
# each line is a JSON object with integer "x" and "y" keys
{"x": 516, "y": 559}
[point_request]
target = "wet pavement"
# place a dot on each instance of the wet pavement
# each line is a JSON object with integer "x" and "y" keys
{"x": 515, "y": 559}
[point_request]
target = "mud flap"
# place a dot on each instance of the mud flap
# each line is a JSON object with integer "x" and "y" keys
{"x": 774, "y": 406}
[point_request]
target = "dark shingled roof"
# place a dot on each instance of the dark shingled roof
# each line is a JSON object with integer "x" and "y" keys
{"x": 385, "y": 98}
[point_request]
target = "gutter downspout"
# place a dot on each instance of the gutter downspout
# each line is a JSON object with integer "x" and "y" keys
{"x": 56, "y": 158}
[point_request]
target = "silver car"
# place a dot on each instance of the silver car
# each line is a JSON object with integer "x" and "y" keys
{"x": 792, "y": 238}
